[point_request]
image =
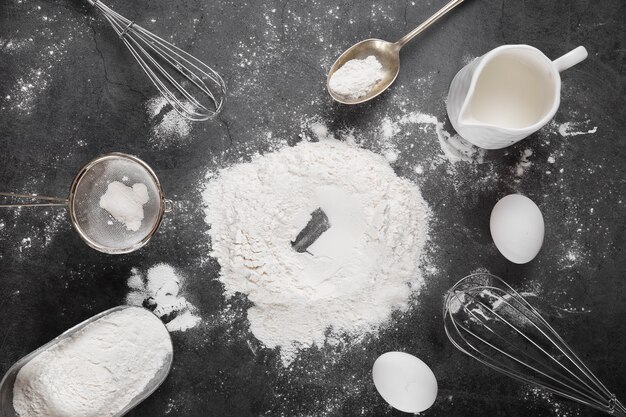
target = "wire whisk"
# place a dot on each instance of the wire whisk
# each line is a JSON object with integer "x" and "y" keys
{"x": 488, "y": 320}
{"x": 165, "y": 63}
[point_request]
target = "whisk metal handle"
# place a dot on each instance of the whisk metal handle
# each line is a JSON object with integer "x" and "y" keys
{"x": 51, "y": 201}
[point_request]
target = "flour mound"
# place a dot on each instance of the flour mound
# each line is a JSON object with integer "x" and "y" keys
{"x": 352, "y": 277}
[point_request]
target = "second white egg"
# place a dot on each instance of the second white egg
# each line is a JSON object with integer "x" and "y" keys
{"x": 517, "y": 228}
{"x": 405, "y": 382}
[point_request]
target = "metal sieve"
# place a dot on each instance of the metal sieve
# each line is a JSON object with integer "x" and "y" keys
{"x": 95, "y": 225}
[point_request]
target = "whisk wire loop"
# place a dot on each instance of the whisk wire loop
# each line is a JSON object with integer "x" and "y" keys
{"x": 176, "y": 103}
{"x": 173, "y": 57}
{"x": 488, "y": 320}
{"x": 528, "y": 361}
{"x": 542, "y": 333}
{"x": 478, "y": 355}
{"x": 161, "y": 61}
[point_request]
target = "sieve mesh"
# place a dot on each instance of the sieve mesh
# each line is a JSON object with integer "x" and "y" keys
{"x": 95, "y": 225}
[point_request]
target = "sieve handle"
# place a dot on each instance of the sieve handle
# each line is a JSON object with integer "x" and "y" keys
{"x": 51, "y": 201}
{"x": 168, "y": 205}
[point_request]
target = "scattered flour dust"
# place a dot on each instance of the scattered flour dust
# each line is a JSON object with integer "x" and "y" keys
{"x": 51, "y": 49}
{"x": 573, "y": 129}
{"x": 454, "y": 148}
{"x": 357, "y": 77}
{"x": 97, "y": 371}
{"x": 558, "y": 407}
{"x": 524, "y": 163}
{"x": 352, "y": 277}
{"x": 160, "y": 291}
{"x": 168, "y": 126}
{"x": 125, "y": 203}
{"x": 388, "y": 130}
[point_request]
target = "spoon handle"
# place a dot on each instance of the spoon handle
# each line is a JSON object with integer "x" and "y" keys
{"x": 445, "y": 9}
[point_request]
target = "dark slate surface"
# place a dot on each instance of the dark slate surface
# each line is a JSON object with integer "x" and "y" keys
{"x": 89, "y": 99}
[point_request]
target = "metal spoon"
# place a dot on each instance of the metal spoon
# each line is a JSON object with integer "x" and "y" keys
{"x": 387, "y": 53}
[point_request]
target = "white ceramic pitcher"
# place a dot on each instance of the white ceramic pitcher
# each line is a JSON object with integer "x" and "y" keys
{"x": 507, "y": 94}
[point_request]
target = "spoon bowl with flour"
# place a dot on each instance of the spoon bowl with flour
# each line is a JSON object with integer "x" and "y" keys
{"x": 368, "y": 68}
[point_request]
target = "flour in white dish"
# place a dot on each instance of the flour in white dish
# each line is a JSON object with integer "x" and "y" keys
{"x": 356, "y": 77}
{"x": 125, "y": 204}
{"x": 352, "y": 277}
{"x": 97, "y": 371}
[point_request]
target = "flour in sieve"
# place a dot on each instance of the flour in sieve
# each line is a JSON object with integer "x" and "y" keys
{"x": 352, "y": 277}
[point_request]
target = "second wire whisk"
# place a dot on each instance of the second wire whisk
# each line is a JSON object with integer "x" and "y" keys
{"x": 194, "y": 90}
{"x": 491, "y": 322}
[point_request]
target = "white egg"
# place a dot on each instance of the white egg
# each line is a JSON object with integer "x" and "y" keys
{"x": 517, "y": 228}
{"x": 404, "y": 381}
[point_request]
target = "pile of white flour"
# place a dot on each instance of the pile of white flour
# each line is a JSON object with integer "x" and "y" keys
{"x": 356, "y": 77}
{"x": 352, "y": 277}
{"x": 96, "y": 372}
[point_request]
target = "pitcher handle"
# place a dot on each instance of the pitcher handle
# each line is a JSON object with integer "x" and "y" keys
{"x": 570, "y": 59}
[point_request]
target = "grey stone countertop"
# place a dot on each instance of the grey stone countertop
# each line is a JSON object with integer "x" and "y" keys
{"x": 69, "y": 91}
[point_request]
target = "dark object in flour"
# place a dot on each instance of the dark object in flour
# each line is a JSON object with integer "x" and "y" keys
{"x": 312, "y": 231}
